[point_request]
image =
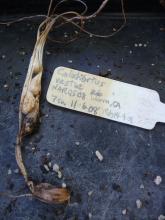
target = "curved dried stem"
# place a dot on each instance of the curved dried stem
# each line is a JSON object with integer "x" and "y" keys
{"x": 30, "y": 97}
{"x": 29, "y": 114}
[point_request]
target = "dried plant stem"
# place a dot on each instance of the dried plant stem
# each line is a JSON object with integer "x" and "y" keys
{"x": 29, "y": 115}
{"x": 30, "y": 97}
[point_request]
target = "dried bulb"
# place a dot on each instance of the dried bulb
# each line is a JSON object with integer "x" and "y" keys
{"x": 50, "y": 194}
{"x": 28, "y": 103}
{"x": 30, "y": 121}
{"x": 35, "y": 86}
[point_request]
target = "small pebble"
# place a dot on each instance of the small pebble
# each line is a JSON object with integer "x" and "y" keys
{"x": 130, "y": 51}
{"x": 59, "y": 174}
{"x": 3, "y": 56}
{"x": 46, "y": 167}
{"x": 5, "y": 86}
{"x": 98, "y": 66}
{"x": 114, "y": 29}
{"x": 63, "y": 185}
{"x": 135, "y": 45}
{"x": 22, "y": 53}
{"x": 99, "y": 155}
{"x": 140, "y": 45}
{"x": 65, "y": 35}
{"x": 161, "y": 217}
{"x": 9, "y": 172}
{"x": 138, "y": 203}
{"x": 56, "y": 168}
{"x": 90, "y": 35}
{"x": 141, "y": 186}
{"x": 50, "y": 164}
{"x": 90, "y": 193}
{"x": 77, "y": 143}
{"x": 152, "y": 64}
{"x": 16, "y": 171}
{"x": 109, "y": 71}
{"x": 124, "y": 211}
{"x": 158, "y": 180}
{"x": 144, "y": 45}
{"x": 90, "y": 215}
{"x": 70, "y": 61}
{"x": 159, "y": 81}
{"x": 48, "y": 154}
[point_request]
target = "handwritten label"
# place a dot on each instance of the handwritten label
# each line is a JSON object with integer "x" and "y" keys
{"x": 102, "y": 97}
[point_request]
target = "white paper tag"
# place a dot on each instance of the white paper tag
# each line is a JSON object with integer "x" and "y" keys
{"x": 105, "y": 98}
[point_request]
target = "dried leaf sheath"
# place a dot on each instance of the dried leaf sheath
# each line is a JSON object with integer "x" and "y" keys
{"x": 29, "y": 115}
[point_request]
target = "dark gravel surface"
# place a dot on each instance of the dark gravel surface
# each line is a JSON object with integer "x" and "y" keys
{"x": 133, "y": 157}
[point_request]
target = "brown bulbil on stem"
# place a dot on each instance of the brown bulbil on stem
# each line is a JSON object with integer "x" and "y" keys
{"x": 48, "y": 193}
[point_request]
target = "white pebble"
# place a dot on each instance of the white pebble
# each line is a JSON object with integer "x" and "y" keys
{"x": 141, "y": 186}
{"x": 22, "y": 53}
{"x": 9, "y": 172}
{"x": 152, "y": 64}
{"x": 90, "y": 35}
{"x": 77, "y": 143}
{"x": 50, "y": 164}
{"x": 161, "y": 217}
{"x": 46, "y": 167}
{"x": 140, "y": 45}
{"x": 65, "y": 35}
{"x": 16, "y": 171}
{"x": 130, "y": 51}
{"x": 59, "y": 174}
{"x": 144, "y": 45}
{"x": 159, "y": 81}
{"x": 158, "y": 180}
{"x": 70, "y": 61}
{"x": 136, "y": 45}
{"x": 124, "y": 211}
{"x": 99, "y": 155}
{"x": 5, "y": 86}
{"x": 138, "y": 203}
{"x": 98, "y": 66}
{"x": 90, "y": 193}
{"x": 63, "y": 185}
{"x": 56, "y": 168}
{"x": 90, "y": 215}
{"x": 3, "y": 56}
